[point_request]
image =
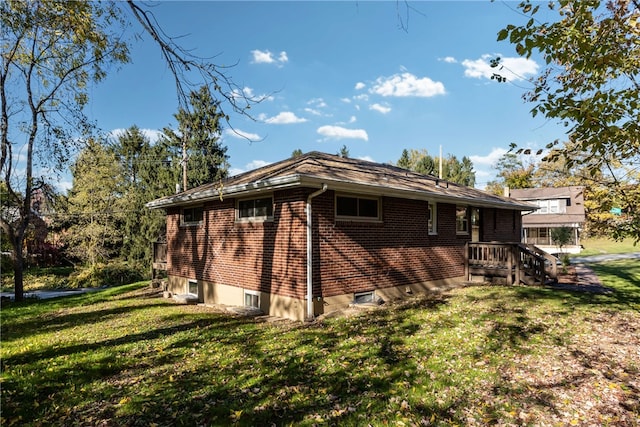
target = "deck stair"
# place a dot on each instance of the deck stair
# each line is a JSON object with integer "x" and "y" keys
{"x": 510, "y": 263}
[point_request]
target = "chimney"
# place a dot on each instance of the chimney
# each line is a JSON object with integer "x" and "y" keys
{"x": 507, "y": 191}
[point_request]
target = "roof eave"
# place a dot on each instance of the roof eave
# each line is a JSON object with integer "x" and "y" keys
{"x": 208, "y": 194}
{"x": 297, "y": 180}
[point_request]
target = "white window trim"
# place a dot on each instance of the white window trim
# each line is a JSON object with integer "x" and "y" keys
{"x": 434, "y": 220}
{"x": 189, "y": 283}
{"x": 465, "y": 232}
{"x": 250, "y": 292}
{"x": 378, "y": 218}
{"x": 263, "y": 218}
{"x": 359, "y": 294}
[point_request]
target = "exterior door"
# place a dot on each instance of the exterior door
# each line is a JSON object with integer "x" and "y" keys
{"x": 475, "y": 225}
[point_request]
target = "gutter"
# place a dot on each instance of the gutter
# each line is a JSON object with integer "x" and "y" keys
{"x": 310, "y": 315}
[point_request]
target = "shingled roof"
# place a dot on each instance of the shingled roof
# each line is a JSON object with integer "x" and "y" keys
{"x": 315, "y": 169}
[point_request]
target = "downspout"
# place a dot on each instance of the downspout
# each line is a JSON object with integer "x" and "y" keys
{"x": 310, "y": 316}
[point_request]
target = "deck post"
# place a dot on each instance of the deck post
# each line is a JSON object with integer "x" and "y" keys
{"x": 466, "y": 261}
{"x": 510, "y": 266}
{"x": 516, "y": 250}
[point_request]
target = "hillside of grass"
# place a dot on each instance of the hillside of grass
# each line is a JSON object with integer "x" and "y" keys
{"x": 480, "y": 355}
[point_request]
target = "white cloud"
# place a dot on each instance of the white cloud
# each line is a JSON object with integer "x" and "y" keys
{"x": 366, "y": 158}
{"x": 513, "y": 68}
{"x": 352, "y": 119}
{"x": 312, "y": 111}
{"x": 380, "y": 108}
{"x": 239, "y": 134}
{"x": 266, "y": 57}
{"x": 152, "y": 134}
{"x": 359, "y": 86}
{"x": 362, "y": 97}
{"x": 338, "y": 132}
{"x": 285, "y": 118}
{"x": 490, "y": 159}
{"x": 345, "y": 100}
{"x": 317, "y": 103}
{"x": 407, "y": 84}
{"x": 449, "y": 60}
{"x": 254, "y": 164}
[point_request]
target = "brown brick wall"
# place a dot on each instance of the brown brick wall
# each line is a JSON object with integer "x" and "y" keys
{"x": 263, "y": 256}
{"x": 349, "y": 256}
{"x": 360, "y": 256}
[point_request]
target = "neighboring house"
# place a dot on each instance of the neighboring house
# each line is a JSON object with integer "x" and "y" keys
{"x": 557, "y": 207}
{"x": 335, "y": 229}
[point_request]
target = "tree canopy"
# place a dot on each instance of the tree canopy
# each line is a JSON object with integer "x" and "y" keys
{"x": 591, "y": 85}
{"x": 51, "y": 51}
{"x": 454, "y": 170}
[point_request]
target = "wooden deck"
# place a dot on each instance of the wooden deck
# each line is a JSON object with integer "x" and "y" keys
{"x": 513, "y": 263}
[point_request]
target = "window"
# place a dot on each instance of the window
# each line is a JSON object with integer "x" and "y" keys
{"x": 357, "y": 207}
{"x": 432, "y": 218}
{"x": 251, "y": 299}
{"x": 255, "y": 208}
{"x": 363, "y": 297}
{"x": 554, "y": 206}
{"x": 192, "y": 287}
{"x": 543, "y": 207}
{"x": 462, "y": 220}
{"x": 192, "y": 215}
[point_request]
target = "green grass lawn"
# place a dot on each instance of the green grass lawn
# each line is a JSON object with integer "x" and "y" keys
{"x": 473, "y": 356}
{"x": 599, "y": 246}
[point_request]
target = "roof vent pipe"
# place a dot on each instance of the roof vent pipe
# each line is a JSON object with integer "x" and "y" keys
{"x": 310, "y": 315}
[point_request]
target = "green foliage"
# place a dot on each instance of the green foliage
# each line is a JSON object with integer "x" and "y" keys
{"x": 199, "y": 130}
{"x": 296, "y": 153}
{"x": 95, "y": 205}
{"x": 344, "y": 152}
{"x": 51, "y": 52}
{"x": 590, "y": 85}
{"x": 149, "y": 172}
{"x": 101, "y": 275}
{"x": 453, "y": 170}
{"x": 39, "y": 278}
{"x": 474, "y": 356}
{"x": 514, "y": 171}
{"x": 561, "y": 236}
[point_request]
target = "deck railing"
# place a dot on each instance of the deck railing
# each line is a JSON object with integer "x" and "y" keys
{"x": 159, "y": 255}
{"x": 515, "y": 262}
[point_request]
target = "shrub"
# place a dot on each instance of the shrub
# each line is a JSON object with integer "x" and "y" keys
{"x": 100, "y": 275}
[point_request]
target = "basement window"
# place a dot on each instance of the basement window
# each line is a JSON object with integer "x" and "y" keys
{"x": 191, "y": 215}
{"x": 251, "y": 299}
{"x": 364, "y": 297}
{"x": 192, "y": 287}
{"x": 362, "y": 208}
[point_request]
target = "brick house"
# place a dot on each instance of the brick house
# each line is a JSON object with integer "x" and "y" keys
{"x": 341, "y": 230}
{"x": 557, "y": 207}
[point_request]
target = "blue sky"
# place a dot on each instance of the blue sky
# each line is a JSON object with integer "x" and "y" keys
{"x": 343, "y": 73}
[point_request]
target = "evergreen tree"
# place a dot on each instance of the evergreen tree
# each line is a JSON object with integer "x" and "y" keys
{"x": 453, "y": 170}
{"x": 199, "y": 130}
{"x": 147, "y": 173}
{"x": 95, "y": 205}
